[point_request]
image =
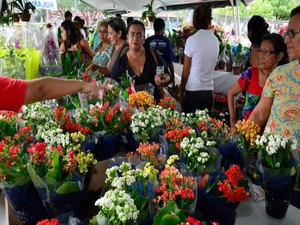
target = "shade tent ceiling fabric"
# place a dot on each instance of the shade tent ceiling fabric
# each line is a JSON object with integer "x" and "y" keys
{"x": 137, "y": 5}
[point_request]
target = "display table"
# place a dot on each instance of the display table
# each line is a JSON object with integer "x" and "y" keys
{"x": 222, "y": 80}
{"x": 251, "y": 212}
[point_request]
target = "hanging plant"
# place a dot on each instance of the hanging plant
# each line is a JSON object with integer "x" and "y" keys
{"x": 149, "y": 12}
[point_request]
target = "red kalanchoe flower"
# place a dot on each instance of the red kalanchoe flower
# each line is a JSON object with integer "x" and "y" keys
{"x": 48, "y": 222}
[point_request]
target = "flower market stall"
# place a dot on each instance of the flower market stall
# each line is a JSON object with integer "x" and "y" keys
{"x": 173, "y": 175}
{"x": 123, "y": 158}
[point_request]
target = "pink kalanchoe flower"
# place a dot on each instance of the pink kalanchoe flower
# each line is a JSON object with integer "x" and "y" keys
{"x": 101, "y": 93}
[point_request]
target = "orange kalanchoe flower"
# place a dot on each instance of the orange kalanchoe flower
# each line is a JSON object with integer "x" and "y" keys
{"x": 141, "y": 99}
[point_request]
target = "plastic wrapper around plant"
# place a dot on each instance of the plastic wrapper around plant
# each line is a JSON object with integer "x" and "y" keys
{"x": 25, "y": 202}
{"x": 188, "y": 183}
{"x": 50, "y": 64}
{"x": 21, "y": 52}
{"x": 278, "y": 185}
{"x": 59, "y": 198}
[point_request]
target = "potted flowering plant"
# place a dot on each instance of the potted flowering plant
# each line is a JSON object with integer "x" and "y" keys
{"x": 58, "y": 174}
{"x": 246, "y": 133}
{"x": 148, "y": 124}
{"x": 128, "y": 192}
{"x": 167, "y": 103}
{"x": 219, "y": 195}
{"x": 175, "y": 136}
{"x": 239, "y": 55}
{"x": 48, "y": 222}
{"x": 14, "y": 179}
{"x": 278, "y": 171}
{"x": 149, "y": 152}
{"x": 105, "y": 123}
{"x": 175, "y": 194}
{"x": 7, "y": 124}
{"x": 67, "y": 122}
{"x": 199, "y": 155}
{"x": 23, "y": 7}
{"x": 141, "y": 99}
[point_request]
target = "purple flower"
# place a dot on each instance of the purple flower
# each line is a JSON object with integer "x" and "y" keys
{"x": 18, "y": 44}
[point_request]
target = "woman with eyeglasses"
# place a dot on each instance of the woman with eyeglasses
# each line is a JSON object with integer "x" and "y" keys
{"x": 116, "y": 31}
{"x": 257, "y": 28}
{"x": 105, "y": 48}
{"x": 141, "y": 63}
{"x": 272, "y": 53}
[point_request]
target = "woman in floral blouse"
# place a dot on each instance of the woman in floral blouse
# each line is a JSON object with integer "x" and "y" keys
{"x": 105, "y": 48}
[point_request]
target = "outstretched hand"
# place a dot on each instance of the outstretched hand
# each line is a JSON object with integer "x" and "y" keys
{"x": 91, "y": 89}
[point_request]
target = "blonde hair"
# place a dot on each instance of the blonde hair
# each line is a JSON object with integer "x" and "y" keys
{"x": 103, "y": 23}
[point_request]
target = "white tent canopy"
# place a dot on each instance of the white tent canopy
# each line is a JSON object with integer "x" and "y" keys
{"x": 137, "y": 5}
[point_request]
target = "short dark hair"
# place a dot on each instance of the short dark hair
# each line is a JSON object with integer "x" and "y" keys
{"x": 118, "y": 15}
{"x": 202, "y": 17}
{"x": 68, "y": 14}
{"x": 259, "y": 28}
{"x": 279, "y": 46}
{"x": 295, "y": 11}
{"x": 79, "y": 20}
{"x": 159, "y": 24}
{"x": 117, "y": 24}
{"x": 129, "y": 20}
{"x": 136, "y": 22}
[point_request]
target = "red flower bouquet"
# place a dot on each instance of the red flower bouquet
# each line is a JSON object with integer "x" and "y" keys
{"x": 232, "y": 186}
{"x": 13, "y": 159}
{"x": 167, "y": 103}
{"x": 106, "y": 119}
{"x": 48, "y": 222}
{"x": 149, "y": 152}
{"x": 174, "y": 137}
{"x": 219, "y": 195}
{"x": 67, "y": 122}
{"x": 174, "y": 186}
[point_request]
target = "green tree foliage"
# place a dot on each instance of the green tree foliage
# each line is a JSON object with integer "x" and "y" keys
{"x": 73, "y": 5}
{"x": 276, "y": 9}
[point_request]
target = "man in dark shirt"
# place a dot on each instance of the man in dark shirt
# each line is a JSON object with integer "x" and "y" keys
{"x": 161, "y": 44}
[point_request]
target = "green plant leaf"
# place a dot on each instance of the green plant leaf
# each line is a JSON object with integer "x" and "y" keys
{"x": 169, "y": 208}
{"x": 68, "y": 188}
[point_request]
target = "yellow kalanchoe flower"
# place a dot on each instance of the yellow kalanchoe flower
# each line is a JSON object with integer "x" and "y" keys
{"x": 84, "y": 160}
{"x": 171, "y": 160}
{"x": 151, "y": 171}
{"x": 249, "y": 129}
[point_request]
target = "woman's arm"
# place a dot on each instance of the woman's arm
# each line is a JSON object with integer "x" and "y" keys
{"x": 50, "y": 88}
{"x": 101, "y": 69}
{"x": 185, "y": 73}
{"x": 262, "y": 111}
{"x": 62, "y": 48}
{"x": 87, "y": 48}
{"x": 232, "y": 92}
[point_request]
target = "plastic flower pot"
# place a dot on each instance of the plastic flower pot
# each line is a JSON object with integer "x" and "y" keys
{"x": 236, "y": 70}
{"x": 107, "y": 147}
{"x": 278, "y": 185}
{"x": 216, "y": 208}
{"x": 25, "y": 203}
{"x": 229, "y": 66}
